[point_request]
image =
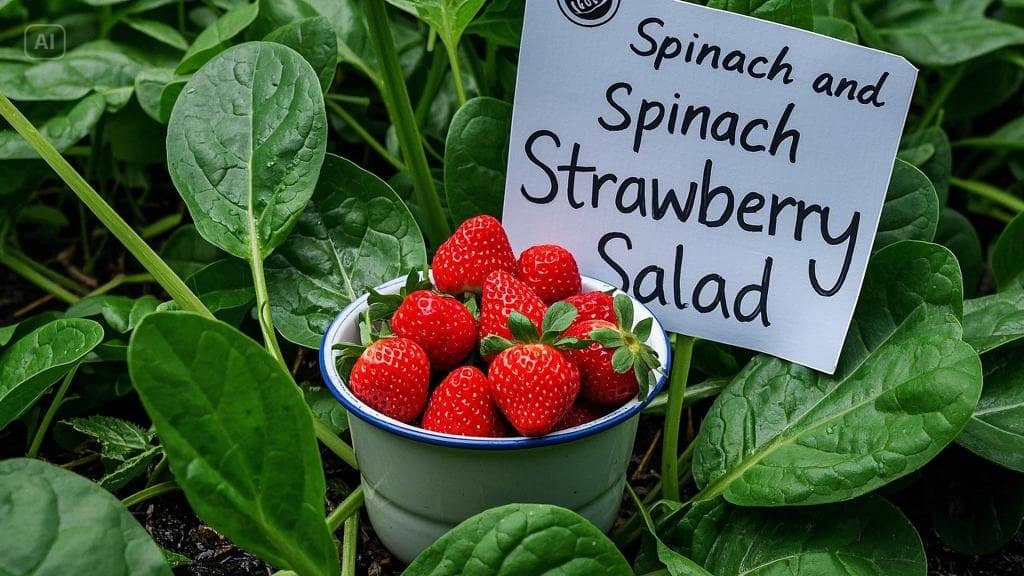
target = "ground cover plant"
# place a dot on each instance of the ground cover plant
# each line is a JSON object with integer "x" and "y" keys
{"x": 194, "y": 189}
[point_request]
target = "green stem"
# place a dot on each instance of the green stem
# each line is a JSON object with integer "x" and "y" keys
{"x": 103, "y": 211}
{"x": 706, "y": 389}
{"x": 348, "y": 99}
{"x": 37, "y": 440}
{"x": 33, "y": 276}
{"x": 990, "y": 192}
{"x": 940, "y": 97}
{"x": 120, "y": 280}
{"x": 158, "y": 470}
{"x": 682, "y": 351}
{"x": 453, "y": 61}
{"x": 349, "y": 543}
{"x": 334, "y": 444}
{"x": 431, "y": 86}
{"x": 18, "y": 30}
{"x": 348, "y": 507}
{"x": 150, "y": 492}
{"x": 628, "y": 532}
{"x": 161, "y": 226}
{"x": 365, "y": 135}
{"x": 266, "y": 318}
{"x": 45, "y": 271}
{"x": 396, "y": 99}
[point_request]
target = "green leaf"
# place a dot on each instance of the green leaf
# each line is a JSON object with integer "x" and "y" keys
{"x": 245, "y": 144}
{"x": 1009, "y": 137}
{"x": 63, "y": 129}
{"x": 238, "y": 437}
{"x": 14, "y": 332}
{"x": 799, "y": 13}
{"x": 623, "y": 360}
{"x": 623, "y": 311}
{"x": 938, "y": 165}
{"x": 957, "y": 233}
{"x": 34, "y": 363}
{"x": 558, "y": 318}
{"x": 129, "y": 469}
{"x": 522, "y": 539}
{"x": 315, "y": 40}
{"x": 867, "y": 537}
{"x": 607, "y": 337}
{"x": 643, "y": 328}
{"x": 492, "y": 345}
{"x": 986, "y": 84}
{"x": 994, "y": 320}
{"x": 911, "y": 210}
{"x": 326, "y": 409}
{"x": 976, "y": 507}
{"x": 101, "y": 66}
{"x": 215, "y": 38}
{"x": 149, "y": 88}
{"x": 119, "y": 439}
{"x": 226, "y": 288}
{"x": 449, "y": 18}
{"x": 475, "y": 158}
{"x": 158, "y": 31}
{"x": 522, "y": 328}
{"x": 1008, "y": 257}
{"x": 501, "y": 22}
{"x": 65, "y": 524}
{"x": 996, "y": 429}
{"x": 115, "y": 310}
{"x": 186, "y": 252}
{"x": 836, "y": 28}
{"x": 932, "y": 37}
{"x": 355, "y": 234}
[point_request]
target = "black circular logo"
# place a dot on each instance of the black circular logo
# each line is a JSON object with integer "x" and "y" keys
{"x": 589, "y": 13}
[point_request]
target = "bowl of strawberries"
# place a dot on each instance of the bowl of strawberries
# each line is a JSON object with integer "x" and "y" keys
{"x": 488, "y": 380}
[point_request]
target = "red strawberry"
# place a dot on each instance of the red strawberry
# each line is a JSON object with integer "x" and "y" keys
{"x": 462, "y": 405}
{"x": 578, "y": 415}
{"x": 534, "y": 385}
{"x": 601, "y": 383}
{"x": 550, "y": 271}
{"x": 593, "y": 306}
{"x": 502, "y": 295}
{"x": 392, "y": 376}
{"x": 478, "y": 247}
{"x": 441, "y": 325}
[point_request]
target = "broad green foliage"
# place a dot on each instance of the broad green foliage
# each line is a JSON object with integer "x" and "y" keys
{"x": 214, "y": 39}
{"x": 449, "y": 18}
{"x": 783, "y": 434}
{"x": 150, "y": 86}
{"x": 315, "y": 40}
{"x": 911, "y": 209}
{"x": 355, "y": 234}
{"x": 327, "y": 409}
{"x": 101, "y": 66}
{"x": 1008, "y": 258}
{"x": 994, "y": 320}
{"x": 522, "y": 539}
{"x": 62, "y": 130}
{"x": 996, "y": 429}
{"x": 957, "y": 233}
{"x": 501, "y": 22}
{"x": 866, "y": 537}
{"x": 158, "y": 31}
{"x": 799, "y": 13}
{"x": 475, "y": 158}
{"x": 245, "y": 455}
{"x": 35, "y": 362}
{"x": 933, "y": 37}
{"x": 245, "y": 144}
{"x": 114, "y": 310}
{"x": 186, "y": 252}
{"x": 127, "y": 450}
{"x": 226, "y": 287}
{"x": 932, "y": 155}
{"x": 64, "y": 524}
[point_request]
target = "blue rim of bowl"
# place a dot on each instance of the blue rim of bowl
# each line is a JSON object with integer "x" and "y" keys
{"x": 338, "y": 388}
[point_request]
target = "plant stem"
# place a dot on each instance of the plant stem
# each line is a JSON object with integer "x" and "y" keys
{"x": 103, "y": 211}
{"x": 120, "y": 280}
{"x": 706, "y": 389}
{"x": 349, "y": 542}
{"x": 990, "y": 192}
{"x": 18, "y": 29}
{"x": 150, "y": 492}
{"x": 33, "y": 276}
{"x": 348, "y": 507}
{"x": 396, "y": 99}
{"x": 57, "y": 277}
{"x": 365, "y": 135}
{"x": 263, "y": 312}
{"x": 431, "y": 86}
{"x": 629, "y": 530}
{"x": 348, "y": 99}
{"x": 453, "y": 60}
{"x": 682, "y": 351}
{"x": 940, "y": 97}
{"x": 165, "y": 224}
{"x": 335, "y": 444}
{"x": 37, "y": 440}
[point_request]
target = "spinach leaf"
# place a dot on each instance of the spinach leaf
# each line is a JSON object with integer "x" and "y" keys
{"x": 214, "y": 39}
{"x": 449, "y": 18}
{"x": 14, "y": 332}
{"x": 933, "y": 37}
{"x": 994, "y": 320}
{"x": 501, "y": 22}
{"x": 836, "y": 28}
{"x": 149, "y": 87}
{"x": 906, "y": 384}
{"x": 986, "y": 84}
{"x": 62, "y": 130}
{"x": 475, "y": 158}
{"x": 65, "y": 524}
{"x": 911, "y": 210}
{"x": 245, "y": 144}
{"x": 186, "y": 252}
{"x": 115, "y": 310}
{"x": 937, "y": 164}
{"x": 976, "y": 507}
{"x": 1009, "y": 137}
{"x": 100, "y": 66}
{"x": 315, "y": 40}
{"x": 355, "y": 234}
{"x": 238, "y": 437}
{"x": 866, "y": 537}
{"x": 996, "y": 429}
{"x": 158, "y": 31}
{"x": 522, "y": 539}
{"x": 326, "y": 409}
{"x": 32, "y": 364}
{"x": 1008, "y": 256}
{"x": 799, "y": 13}
{"x": 957, "y": 233}
{"x": 226, "y": 288}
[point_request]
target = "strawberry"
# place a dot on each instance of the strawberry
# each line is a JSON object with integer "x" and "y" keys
{"x": 478, "y": 247}
{"x": 441, "y": 325}
{"x": 502, "y": 295}
{"x": 462, "y": 405}
{"x": 593, "y": 306}
{"x": 550, "y": 271}
{"x": 533, "y": 382}
{"x": 579, "y": 414}
{"x": 392, "y": 376}
{"x": 618, "y": 363}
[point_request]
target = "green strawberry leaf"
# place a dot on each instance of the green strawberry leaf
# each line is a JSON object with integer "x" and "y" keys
{"x": 607, "y": 337}
{"x": 622, "y": 360}
{"x": 494, "y": 344}
{"x": 572, "y": 343}
{"x": 623, "y": 311}
{"x": 522, "y": 328}
{"x": 643, "y": 328}
{"x": 557, "y": 319}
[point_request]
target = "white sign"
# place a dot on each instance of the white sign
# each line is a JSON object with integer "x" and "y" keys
{"x": 727, "y": 171}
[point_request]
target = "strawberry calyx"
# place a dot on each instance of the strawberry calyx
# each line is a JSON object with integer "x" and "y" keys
{"x": 630, "y": 344}
{"x": 556, "y": 320}
{"x": 383, "y": 306}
